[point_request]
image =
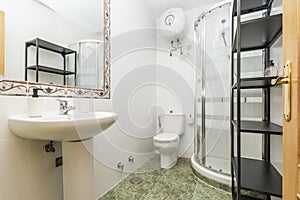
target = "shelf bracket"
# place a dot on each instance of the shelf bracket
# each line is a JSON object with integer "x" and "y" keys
{"x": 285, "y": 81}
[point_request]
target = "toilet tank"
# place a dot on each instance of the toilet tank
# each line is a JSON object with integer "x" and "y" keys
{"x": 172, "y": 123}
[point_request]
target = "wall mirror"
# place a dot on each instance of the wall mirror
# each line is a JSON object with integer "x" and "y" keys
{"x": 39, "y": 36}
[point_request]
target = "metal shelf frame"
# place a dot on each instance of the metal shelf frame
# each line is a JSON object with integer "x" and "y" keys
{"x": 240, "y": 167}
{"x": 63, "y": 51}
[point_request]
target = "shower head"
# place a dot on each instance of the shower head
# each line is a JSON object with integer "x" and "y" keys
{"x": 223, "y": 21}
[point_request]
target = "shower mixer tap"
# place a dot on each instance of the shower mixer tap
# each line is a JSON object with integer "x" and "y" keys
{"x": 177, "y": 47}
{"x": 172, "y": 48}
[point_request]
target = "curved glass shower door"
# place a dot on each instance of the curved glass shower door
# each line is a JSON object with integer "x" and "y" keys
{"x": 212, "y": 34}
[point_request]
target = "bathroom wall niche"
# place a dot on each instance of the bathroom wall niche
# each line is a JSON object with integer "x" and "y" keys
{"x": 60, "y": 22}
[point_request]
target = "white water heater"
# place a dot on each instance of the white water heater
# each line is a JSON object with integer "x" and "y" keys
{"x": 171, "y": 23}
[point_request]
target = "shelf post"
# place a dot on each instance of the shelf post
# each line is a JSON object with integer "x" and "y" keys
{"x": 266, "y": 101}
{"x": 238, "y": 89}
{"x": 37, "y": 61}
{"x": 64, "y": 57}
{"x": 232, "y": 108}
{"x": 266, "y": 108}
{"x": 75, "y": 63}
{"x": 26, "y": 49}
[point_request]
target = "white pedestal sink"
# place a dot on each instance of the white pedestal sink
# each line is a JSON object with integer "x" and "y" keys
{"x": 54, "y": 127}
{"x": 75, "y": 131}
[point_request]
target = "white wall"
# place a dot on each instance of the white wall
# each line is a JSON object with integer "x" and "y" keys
{"x": 132, "y": 66}
{"x": 181, "y": 68}
{"x": 26, "y": 171}
{"x": 132, "y": 134}
{"x": 145, "y": 82}
{"x": 28, "y": 19}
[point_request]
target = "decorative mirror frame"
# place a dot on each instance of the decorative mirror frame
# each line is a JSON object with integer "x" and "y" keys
{"x": 105, "y": 91}
{"x": 24, "y": 88}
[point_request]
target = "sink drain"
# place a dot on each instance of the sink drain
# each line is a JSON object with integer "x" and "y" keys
{"x": 136, "y": 180}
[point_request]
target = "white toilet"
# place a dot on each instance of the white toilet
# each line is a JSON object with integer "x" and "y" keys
{"x": 167, "y": 142}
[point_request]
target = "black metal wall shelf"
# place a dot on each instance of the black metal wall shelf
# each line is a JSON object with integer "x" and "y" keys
{"x": 259, "y": 176}
{"x": 256, "y": 82}
{"x": 63, "y": 51}
{"x": 252, "y": 6}
{"x": 259, "y": 127}
{"x": 259, "y": 33}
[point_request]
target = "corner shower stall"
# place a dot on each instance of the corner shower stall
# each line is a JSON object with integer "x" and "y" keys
{"x": 212, "y": 60}
{"x": 211, "y": 157}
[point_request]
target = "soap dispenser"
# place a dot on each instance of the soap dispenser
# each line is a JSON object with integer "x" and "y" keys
{"x": 35, "y": 104}
{"x": 271, "y": 70}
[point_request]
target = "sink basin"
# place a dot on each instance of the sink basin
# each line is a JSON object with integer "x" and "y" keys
{"x": 55, "y": 127}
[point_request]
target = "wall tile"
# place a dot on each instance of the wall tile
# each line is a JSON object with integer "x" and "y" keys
{"x": 26, "y": 172}
{"x": 14, "y": 169}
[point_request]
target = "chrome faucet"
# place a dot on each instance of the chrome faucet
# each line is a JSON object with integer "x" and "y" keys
{"x": 63, "y": 107}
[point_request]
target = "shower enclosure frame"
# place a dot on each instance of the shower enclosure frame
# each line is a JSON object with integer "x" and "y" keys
{"x": 81, "y": 66}
{"x": 224, "y": 177}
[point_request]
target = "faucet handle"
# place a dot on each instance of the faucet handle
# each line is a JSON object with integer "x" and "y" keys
{"x": 63, "y": 103}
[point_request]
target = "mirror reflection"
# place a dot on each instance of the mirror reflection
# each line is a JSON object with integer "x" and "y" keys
{"x": 40, "y": 34}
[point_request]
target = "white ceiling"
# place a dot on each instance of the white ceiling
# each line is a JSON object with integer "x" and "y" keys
{"x": 158, "y": 6}
{"x": 87, "y": 13}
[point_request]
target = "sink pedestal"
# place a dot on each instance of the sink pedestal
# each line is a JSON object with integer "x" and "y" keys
{"x": 77, "y": 156}
{"x": 78, "y": 170}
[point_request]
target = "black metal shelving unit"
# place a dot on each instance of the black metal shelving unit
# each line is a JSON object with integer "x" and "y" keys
{"x": 261, "y": 33}
{"x": 64, "y": 52}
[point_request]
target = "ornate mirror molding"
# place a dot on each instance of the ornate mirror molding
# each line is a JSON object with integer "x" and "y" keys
{"x": 107, "y": 53}
{"x": 24, "y": 88}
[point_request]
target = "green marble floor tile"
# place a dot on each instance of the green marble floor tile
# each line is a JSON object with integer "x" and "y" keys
{"x": 203, "y": 191}
{"x": 182, "y": 177}
{"x": 182, "y": 174}
{"x": 152, "y": 164}
{"x": 149, "y": 180}
{"x": 121, "y": 194}
{"x": 168, "y": 189}
{"x": 178, "y": 183}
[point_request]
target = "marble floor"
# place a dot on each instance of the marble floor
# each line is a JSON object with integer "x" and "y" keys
{"x": 178, "y": 183}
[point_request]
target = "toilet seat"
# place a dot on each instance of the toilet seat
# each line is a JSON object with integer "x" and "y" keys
{"x": 166, "y": 138}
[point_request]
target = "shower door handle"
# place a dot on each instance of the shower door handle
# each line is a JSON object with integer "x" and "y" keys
{"x": 285, "y": 81}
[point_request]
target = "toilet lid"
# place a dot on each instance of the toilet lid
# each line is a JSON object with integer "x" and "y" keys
{"x": 166, "y": 137}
